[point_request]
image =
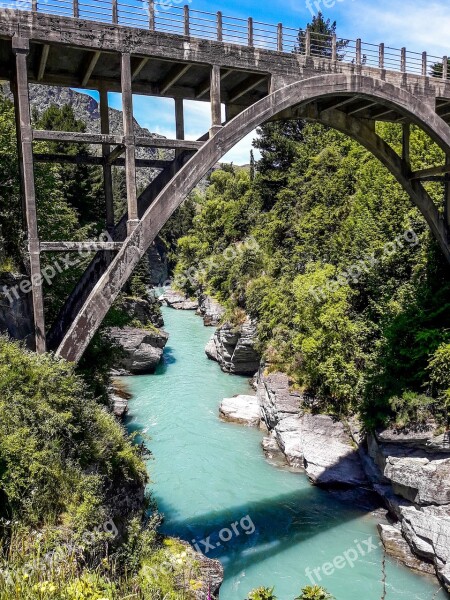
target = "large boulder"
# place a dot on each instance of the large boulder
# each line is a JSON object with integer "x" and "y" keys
{"x": 241, "y": 409}
{"x": 288, "y": 433}
{"x": 177, "y": 300}
{"x": 427, "y": 531}
{"x": 233, "y": 347}
{"x": 143, "y": 310}
{"x": 142, "y": 349}
{"x": 418, "y": 475}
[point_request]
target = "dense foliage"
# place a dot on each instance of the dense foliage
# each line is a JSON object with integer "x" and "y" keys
{"x": 350, "y": 292}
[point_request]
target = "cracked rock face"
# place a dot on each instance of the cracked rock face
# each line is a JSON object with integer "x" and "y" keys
{"x": 142, "y": 349}
{"x": 234, "y": 348}
{"x": 211, "y": 311}
{"x": 427, "y": 530}
{"x": 317, "y": 443}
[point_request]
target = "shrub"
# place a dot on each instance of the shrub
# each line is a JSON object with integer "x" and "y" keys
{"x": 262, "y": 593}
{"x": 314, "y": 592}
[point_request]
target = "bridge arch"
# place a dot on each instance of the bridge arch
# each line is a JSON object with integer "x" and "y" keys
{"x": 292, "y": 97}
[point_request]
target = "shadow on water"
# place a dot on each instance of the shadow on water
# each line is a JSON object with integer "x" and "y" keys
{"x": 265, "y": 527}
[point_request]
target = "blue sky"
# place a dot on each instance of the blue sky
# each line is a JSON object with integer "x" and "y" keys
{"x": 418, "y": 24}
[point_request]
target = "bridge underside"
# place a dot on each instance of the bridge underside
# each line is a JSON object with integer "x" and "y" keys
{"x": 254, "y": 85}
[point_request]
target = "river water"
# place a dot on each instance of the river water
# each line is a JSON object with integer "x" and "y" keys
{"x": 215, "y": 488}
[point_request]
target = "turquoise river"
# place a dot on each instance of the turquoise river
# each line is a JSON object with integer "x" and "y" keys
{"x": 207, "y": 475}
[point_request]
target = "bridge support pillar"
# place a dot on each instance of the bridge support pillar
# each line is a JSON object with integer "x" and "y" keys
{"x": 21, "y": 48}
{"x": 107, "y": 169}
{"x": 179, "y": 122}
{"x": 216, "y": 107}
{"x": 130, "y": 148}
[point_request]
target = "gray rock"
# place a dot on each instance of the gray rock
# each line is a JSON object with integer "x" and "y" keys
{"x": 234, "y": 348}
{"x": 396, "y": 546}
{"x": 427, "y": 531}
{"x": 288, "y": 434}
{"x": 241, "y": 409}
{"x": 425, "y": 438}
{"x": 330, "y": 457}
{"x": 142, "y": 349}
{"x": 143, "y": 310}
{"x": 177, "y": 301}
{"x": 272, "y": 451}
{"x": 276, "y": 399}
{"x": 211, "y": 311}
{"x": 119, "y": 397}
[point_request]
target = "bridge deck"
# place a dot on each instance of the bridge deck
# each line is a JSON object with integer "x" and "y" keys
{"x": 73, "y": 52}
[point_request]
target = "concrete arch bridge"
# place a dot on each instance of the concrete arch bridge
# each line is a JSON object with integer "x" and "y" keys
{"x": 259, "y": 72}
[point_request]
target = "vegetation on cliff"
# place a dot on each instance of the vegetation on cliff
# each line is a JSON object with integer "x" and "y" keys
{"x": 349, "y": 289}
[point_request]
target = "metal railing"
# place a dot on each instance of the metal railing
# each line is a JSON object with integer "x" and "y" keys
{"x": 169, "y": 17}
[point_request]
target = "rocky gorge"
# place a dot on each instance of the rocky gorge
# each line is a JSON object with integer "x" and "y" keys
{"x": 408, "y": 471}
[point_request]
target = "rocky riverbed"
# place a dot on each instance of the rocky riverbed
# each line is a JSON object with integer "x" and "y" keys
{"x": 409, "y": 472}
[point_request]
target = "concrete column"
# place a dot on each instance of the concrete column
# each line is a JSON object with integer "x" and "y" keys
{"x": 20, "y": 48}
{"x": 179, "y": 123}
{"x": 107, "y": 170}
{"x": 406, "y": 146}
{"x": 130, "y": 149}
{"x": 216, "y": 109}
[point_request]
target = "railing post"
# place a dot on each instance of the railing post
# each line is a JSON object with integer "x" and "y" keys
{"x": 280, "y": 37}
{"x": 151, "y": 15}
{"x": 445, "y": 67}
{"x": 334, "y": 47}
{"x": 250, "y": 32}
{"x": 115, "y": 12}
{"x": 219, "y": 26}
{"x": 424, "y": 64}
{"x": 403, "y": 61}
{"x": 381, "y": 56}
{"x": 34, "y": 5}
{"x": 358, "y": 51}
{"x": 308, "y": 43}
{"x": 186, "y": 20}
{"x": 76, "y": 11}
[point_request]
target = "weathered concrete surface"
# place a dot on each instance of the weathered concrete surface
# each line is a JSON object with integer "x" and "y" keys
{"x": 243, "y": 409}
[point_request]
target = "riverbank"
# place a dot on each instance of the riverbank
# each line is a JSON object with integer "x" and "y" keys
{"x": 208, "y": 474}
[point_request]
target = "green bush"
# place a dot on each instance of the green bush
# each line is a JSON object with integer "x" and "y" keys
{"x": 314, "y": 592}
{"x": 262, "y": 593}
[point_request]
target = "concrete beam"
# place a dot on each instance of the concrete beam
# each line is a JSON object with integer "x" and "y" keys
{"x": 43, "y": 61}
{"x": 430, "y": 172}
{"x": 80, "y": 246}
{"x": 205, "y": 87}
{"x": 99, "y": 161}
{"x": 138, "y": 68}
{"x": 174, "y": 75}
{"x": 246, "y": 86}
{"x": 90, "y": 68}
{"x": 106, "y": 151}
